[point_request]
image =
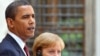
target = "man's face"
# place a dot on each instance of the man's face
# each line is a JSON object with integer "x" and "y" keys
{"x": 24, "y": 23}
{"x": 52, "y": 51}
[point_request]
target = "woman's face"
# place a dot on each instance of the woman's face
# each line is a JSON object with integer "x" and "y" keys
{"x": 52, "y": 50}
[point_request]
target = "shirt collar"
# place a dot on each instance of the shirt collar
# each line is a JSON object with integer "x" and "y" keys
{"x": 17, "y": 39}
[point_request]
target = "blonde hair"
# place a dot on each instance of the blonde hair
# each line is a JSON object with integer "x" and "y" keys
{"x": 46, "y": 40}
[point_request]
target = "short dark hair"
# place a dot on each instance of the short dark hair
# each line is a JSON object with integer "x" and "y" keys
{"x": 12, "y": 8}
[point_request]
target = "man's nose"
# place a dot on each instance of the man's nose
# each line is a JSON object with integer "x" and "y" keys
{"x": 32, "y": 20}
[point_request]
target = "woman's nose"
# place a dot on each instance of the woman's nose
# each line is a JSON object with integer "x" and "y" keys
{"x": 57, "y": 54}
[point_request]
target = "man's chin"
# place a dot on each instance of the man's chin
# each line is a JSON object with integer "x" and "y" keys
{"x": 32, "y": 35}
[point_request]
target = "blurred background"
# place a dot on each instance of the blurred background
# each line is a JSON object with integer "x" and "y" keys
{"x": 65, "y": 18}
{"x": 75, "y": 21}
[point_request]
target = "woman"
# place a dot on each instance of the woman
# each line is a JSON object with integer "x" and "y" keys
{"x": 48, "y": 44}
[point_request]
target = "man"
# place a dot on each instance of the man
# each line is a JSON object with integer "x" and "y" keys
{"x": 20, "y": 20}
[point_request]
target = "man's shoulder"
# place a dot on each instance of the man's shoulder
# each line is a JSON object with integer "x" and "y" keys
{"x": 6, "y": 42}
{"x": 7, "y": 46}
{"x": 7, "y": 49}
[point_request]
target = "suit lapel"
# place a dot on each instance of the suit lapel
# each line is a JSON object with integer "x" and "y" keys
{"x": 15, "y": 44}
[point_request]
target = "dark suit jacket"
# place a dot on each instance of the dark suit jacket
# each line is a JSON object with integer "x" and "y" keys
{"x": 9, "y": 47}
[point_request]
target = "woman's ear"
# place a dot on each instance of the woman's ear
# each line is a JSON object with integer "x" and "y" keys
{"x": 10, "y": 22}
{"x": 39, "y": 53}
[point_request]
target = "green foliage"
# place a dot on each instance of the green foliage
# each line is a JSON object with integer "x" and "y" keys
{"x": 65, "y": 53}
{"x": 64, "y": 36}
{"x": 71, "y": 22}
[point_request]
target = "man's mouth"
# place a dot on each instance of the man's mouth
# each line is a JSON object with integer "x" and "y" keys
{"x": 31, "y": 28}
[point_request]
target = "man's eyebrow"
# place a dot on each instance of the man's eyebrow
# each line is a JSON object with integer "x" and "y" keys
{"x": 33, "y": 14}
{"x": 28, "y": 14}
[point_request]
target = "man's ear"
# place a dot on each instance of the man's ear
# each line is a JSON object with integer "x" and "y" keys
{"x": 10, "y": 22}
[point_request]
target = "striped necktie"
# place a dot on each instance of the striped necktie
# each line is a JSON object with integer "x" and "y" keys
{"x": 26, "y": 50}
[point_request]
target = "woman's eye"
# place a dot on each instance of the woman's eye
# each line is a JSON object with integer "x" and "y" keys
{"x": 51, "y": 51}
{"x": 59, "y": 51}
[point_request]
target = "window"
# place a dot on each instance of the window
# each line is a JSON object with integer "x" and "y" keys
{"x": 64, "y": 17}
